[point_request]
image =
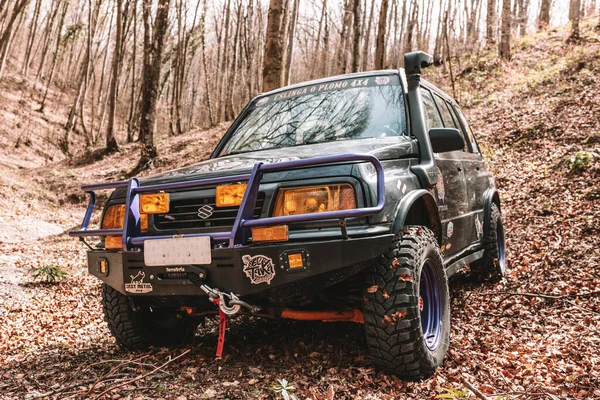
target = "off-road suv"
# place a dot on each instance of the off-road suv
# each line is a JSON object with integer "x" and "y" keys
{"x": 351, "y": 198}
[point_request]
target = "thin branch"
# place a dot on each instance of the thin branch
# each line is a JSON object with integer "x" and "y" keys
{"x": 142, "y": 376}
{"x": 472, "y": 388}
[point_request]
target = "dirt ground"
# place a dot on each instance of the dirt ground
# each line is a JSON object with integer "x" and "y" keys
{"x": 536, "y": 334}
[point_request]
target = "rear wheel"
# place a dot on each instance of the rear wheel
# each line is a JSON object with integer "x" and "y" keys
{"x": 136, "y": 325}
{"x": 407, "y": 306}
{"x": 492, "y": 266}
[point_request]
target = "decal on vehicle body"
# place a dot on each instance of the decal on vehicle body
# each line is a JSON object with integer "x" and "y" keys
{"x": 382, "y": 80}
{"x": 450, "y": 230}
{"x": 441, "y": 190}
{"x": 137, "y": 284}
{"x": 478, "y": 227}
{"x": 259, "y": 268}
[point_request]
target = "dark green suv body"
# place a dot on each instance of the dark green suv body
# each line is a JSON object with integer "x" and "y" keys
{"x": 348, "y": 198}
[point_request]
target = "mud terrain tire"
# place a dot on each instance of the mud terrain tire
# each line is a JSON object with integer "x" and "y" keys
{"x": 492, "y": 266}
{"x": 143, "y": 327}
{"x": 407, "y": 306}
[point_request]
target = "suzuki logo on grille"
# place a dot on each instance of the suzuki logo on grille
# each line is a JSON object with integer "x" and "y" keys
{"x": 205, "y": 211}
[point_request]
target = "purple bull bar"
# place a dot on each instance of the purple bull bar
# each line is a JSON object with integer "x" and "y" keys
{"x": 131, "y": 232}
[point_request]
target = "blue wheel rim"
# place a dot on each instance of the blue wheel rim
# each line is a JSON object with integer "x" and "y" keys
{"x": 430, "y": 306}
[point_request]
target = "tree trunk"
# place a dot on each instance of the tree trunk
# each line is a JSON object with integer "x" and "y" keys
{"x": 490, "y": 24}
{"x": 130, "y": 120}
{"x": 32, "y": 32}
{"x": 273, "y": 54}
{"x": 111, "y": 142}
{"x": 575, "y": 10}
{"x": 342, "y": 54}
{"x": 153, "y": 48}
{"x": 544, "y": 19}
{"x": 290, "y": 45}
{"x": 366, "y": 47}
{"x": 357, "y": 34}
{"x": 505, "y": 31}
{"x": 57, "y": 49}
{"x": 381, "y": 35}
{"x": 318, "y": 51}
{"x": 204, "y": 65}
{"x": 5, "y": 36}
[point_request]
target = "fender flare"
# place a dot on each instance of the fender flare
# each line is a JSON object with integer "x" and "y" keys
{"x": 405, "y": 206}
{"x": 490, "y": 196}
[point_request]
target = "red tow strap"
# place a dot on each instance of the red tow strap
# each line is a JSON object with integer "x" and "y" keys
{"x": 222, "y": 328}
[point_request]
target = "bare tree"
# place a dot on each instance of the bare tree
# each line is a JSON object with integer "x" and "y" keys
{"x": 544, "y": 19}
{"x": 273, "y": 55}
{"x": 357, "y": 35}
{"x": 505, "y": 31}
{"x": 111, "y": 142}
{"x": 574, "y": 16}
{"x": 381, "y": 35}
{"x": 154, "y": 38}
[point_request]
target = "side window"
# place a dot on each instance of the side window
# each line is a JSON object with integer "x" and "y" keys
{"x": 432, "y": 116}
{"x": 467, "y": 130}
{"x": 446, "y": 116}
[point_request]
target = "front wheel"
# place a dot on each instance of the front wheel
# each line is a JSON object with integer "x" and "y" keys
{"x": 407, "y": 306}
{"x": 137, "y": 325}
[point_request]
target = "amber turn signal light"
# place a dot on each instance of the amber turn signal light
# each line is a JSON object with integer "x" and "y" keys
{"x": 278, "y": 233}
{"x": 154, "y": 203}
{"x": 113, "y": 243}
{"x": 230, "y": 195}
{"x": 295, "y": 260}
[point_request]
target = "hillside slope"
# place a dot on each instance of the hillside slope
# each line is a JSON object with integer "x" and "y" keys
{"x": 533, "y": 336}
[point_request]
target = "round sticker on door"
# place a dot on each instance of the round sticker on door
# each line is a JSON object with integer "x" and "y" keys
{"x": 450, "y": 230}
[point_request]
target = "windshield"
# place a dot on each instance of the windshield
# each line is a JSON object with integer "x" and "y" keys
{"x": 361, "y": 108}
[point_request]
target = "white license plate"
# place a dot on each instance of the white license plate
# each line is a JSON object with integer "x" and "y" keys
{"x": 177, "y": 251}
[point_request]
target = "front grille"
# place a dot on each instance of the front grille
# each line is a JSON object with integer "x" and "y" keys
{"x": 184, "y": 214}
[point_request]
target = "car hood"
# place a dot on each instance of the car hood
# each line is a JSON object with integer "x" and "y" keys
{"x": 382, "y": 148}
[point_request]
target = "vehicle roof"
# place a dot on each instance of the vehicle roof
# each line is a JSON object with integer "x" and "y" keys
{"x": 428, "y": 84}
{"x": 334, "y": 78}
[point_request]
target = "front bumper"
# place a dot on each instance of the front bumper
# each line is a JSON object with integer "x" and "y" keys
{"x": 243, "y": 271}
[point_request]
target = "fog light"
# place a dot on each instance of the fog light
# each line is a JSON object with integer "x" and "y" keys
{"x": 230, "y": 195}
{"x": 154, "y": 203}
{"x": 278, "y": 233}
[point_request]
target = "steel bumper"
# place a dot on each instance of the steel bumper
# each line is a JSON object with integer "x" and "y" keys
{"x": 243, "y": 271}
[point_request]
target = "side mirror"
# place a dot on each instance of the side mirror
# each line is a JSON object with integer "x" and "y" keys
{"x": 446, "y": 139}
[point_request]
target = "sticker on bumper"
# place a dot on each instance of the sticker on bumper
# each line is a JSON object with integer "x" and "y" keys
{"x": 259, "y": 269}
{"x": 137, "y": 284}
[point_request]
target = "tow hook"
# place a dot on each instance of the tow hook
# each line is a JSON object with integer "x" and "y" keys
{"x": 235, "y": 304}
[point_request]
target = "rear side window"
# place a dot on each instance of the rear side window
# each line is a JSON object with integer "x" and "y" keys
{"x": 432, "y": 116}
{"x": 467, "y": 130}
{"x": 446, "y": 116}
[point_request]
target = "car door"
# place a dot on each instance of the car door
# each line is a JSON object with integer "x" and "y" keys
{"x": 477, "y": 176}
{"x": 450, "y": 191}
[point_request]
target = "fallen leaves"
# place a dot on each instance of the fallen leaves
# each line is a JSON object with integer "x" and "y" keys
{"x": 397, "y": 316}
{"x": 372, "y": 289}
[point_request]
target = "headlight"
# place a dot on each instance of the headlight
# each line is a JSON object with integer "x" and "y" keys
{"x": 314, "y": 199}
{"x": 114, "y": 218}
